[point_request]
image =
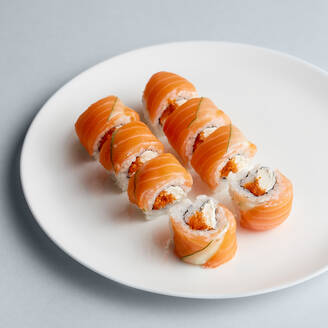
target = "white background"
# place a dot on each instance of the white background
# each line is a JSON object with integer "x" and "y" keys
{"x": 44, "y": 44}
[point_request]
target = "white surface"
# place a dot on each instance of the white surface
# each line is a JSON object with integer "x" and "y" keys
{"x": 264, "y": 93}
{"x": 43, "y": 45}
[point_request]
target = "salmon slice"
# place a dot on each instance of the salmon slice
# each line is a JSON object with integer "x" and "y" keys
{"x": 190, "y": 120}
{"x": 222, "y": 144}
{"x": 228, "y": 247}
{"x": 163, "y": 90}
{"x": 156, "y": 174}
{"x": 105, "y": 155}
{"x": 271, "y": 213}
{"x": 213, "y": 247}
{"x": 93, "y": 125}
{"x": 126, "y": 142}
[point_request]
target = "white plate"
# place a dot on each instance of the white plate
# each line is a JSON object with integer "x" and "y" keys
{"x": 279, "y": 101}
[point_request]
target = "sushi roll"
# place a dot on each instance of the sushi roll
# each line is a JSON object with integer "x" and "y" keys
{"x": 226, "y": 150}
{"x": 263, "y": 196}
{"x": 127, "y": 150}
{"x": 100, "y": 120}
{"x": 164, "y": 92}
{"x": 190, "y": 124}
{"x": 158, "y": 184}
{"x": 204, "y": 232}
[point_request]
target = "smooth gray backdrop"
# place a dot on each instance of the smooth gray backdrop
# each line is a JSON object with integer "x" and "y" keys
{"x": 43, "y": 44}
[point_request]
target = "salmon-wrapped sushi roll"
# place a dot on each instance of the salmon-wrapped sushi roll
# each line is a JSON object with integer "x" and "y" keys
{"x": 190, "y": 124}
{"x": 100, "y": 120}
{"x": 158, "y": 184}
{"x": 225, "y": 150}
{"x": 263, "y": 196}
{"x": 204, "y": 232}
{"x": 127, "y": 150}
{"x": 164, "y": 92}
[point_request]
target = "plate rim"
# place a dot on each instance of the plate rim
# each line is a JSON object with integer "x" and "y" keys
{"x": 108, "y": 276}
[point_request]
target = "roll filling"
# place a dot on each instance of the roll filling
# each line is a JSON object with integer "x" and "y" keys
{"x": 259, "y": 181}
{"x": 203, "y": 218}
{"x": 168, "y": 196}
{"x": 234, "y": 164}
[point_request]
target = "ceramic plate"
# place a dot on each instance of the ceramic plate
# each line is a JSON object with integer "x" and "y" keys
{"x": 278, "y": 101}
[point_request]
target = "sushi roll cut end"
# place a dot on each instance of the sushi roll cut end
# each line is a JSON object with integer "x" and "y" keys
{"x": 166, "y": 199}
{"x": 204, "y": 232}
{"x": 263, "y": 197}
{"x": 168, "y": 196}
{"x": 204, "y": 218}
{"x": 260, "y": 181}
{"x": 234, "y": 164}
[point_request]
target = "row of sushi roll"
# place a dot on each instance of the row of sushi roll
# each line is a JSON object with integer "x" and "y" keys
{"x": 204, "y": 231}
{"x": 205, "y": 138}
{"x": 114, "y": 135}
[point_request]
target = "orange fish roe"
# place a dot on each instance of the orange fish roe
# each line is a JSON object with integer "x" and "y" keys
{"x": 199, "y": 140}
{"x": 134, "y": 166}
{"x": 254, "y": 188}
{"x": 169, "y": 110}
{"x": 106, "y": 136}
{"x": 198, "y": 222}
{"x": 229, "y": 167}
{"x": 162, "y": 200}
